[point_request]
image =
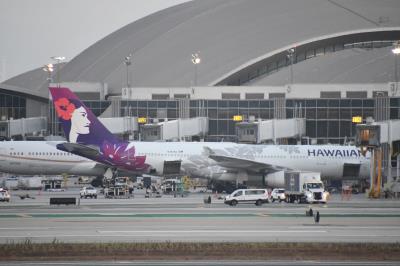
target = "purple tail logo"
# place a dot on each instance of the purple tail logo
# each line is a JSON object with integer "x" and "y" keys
{"x": 82, "y": 126}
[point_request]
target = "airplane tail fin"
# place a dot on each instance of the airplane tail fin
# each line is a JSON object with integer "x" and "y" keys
{"x": 88, "y": 137}
{"x": 79, "y": 123}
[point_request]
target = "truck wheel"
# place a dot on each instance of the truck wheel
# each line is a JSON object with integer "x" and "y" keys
{"x": 258, "y": 202}
{"x": 234, "y": 203}
{"x": 95, "y": 197}
{"x": 291, "y": 200}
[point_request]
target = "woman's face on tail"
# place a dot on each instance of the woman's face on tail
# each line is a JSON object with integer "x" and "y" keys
{"x": 80, "y": 121}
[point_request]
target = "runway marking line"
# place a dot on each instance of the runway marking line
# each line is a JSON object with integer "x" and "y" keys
{"x": 209, "y": 231}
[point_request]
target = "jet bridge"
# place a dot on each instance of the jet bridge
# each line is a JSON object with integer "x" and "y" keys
{"x": 36, "y": 125}
{"x": 373, "y": 137}
{"x": 178, "y": 130}
{"x": 121, "y": 125}
{"x": 23, "y": 126}
{"x": 259, "y": 131}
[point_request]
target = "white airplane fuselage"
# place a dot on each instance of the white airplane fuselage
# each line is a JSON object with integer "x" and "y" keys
{"x": 43, "y": 158}
{"x": 328, "y": 160}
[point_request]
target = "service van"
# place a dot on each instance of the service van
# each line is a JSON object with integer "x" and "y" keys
{"x": 256, "y": 196}
{"x": 4, "y": 195}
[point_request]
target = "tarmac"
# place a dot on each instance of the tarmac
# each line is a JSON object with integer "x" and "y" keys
{"x": 189, "y": 219}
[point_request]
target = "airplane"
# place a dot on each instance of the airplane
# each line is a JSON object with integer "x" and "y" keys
{"x": 227, "y": 161}
{"x": 43, "y": 158}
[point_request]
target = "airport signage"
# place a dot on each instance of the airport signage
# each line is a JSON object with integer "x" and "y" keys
{"x": 238, "y": 118}
{"x": 357, "y": 119}
{"x": 142, "y": 120}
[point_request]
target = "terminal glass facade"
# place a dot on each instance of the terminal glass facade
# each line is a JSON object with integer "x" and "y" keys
{"x": 327, "y": 120}
{"x": 12, "y": 106}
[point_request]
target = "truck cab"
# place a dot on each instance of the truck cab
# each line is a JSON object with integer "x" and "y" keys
{"x": 314, "y": 191}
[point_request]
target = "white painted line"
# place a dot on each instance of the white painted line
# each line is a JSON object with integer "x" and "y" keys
{"x": 212, "y": 231}
{"x": 27, "y": 228}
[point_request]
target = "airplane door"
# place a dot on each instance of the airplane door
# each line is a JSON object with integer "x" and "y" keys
{"x": 172, "y": 167}
{"x": 351, "y": 170}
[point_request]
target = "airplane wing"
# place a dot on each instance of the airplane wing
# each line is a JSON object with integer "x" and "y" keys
{"x": 241, "y": 163}
{"x": 87, "y": 151}
{"x": 92, "y": 152}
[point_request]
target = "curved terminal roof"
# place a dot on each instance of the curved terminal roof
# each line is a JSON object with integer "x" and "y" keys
{"x": 370, "y": 66}
{"x": 229, "y": 35}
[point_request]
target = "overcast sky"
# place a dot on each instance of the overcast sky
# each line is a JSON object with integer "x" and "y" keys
{"x": 34, "y": 30}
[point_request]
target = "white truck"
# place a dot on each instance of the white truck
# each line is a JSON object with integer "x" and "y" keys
{"x": 304, "y": 187}
{"x": 88, "y": 192}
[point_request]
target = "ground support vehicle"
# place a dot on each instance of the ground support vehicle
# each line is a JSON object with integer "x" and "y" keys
{"x": 4, "y": 195}
{"x": 278, "y": 194}
{"x": 88, "y": 192}
{"x": 256, "y": 196}
{"x": 304, "y": 187}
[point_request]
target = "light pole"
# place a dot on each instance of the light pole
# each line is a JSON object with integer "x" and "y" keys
{"x": 195, "y": 60}
{"x": 49, "y": 68}
{"x": 128, "y": 62}
{"x": 58, "y": 60}
{"x": 396, "y": 52}
{"x": 290, "y": 55}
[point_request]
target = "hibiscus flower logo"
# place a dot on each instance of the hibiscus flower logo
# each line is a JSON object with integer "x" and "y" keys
{"x": 64, "y": 108}
{"x": 119, "y": 154}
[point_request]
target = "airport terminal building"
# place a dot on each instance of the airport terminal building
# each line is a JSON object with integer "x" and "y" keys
{"x": 234, "y": 69}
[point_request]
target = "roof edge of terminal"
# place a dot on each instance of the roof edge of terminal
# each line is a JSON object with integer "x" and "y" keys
{"x": 256, "y": 60}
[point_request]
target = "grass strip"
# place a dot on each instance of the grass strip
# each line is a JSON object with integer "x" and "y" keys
{"x": 27, "y": 250}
